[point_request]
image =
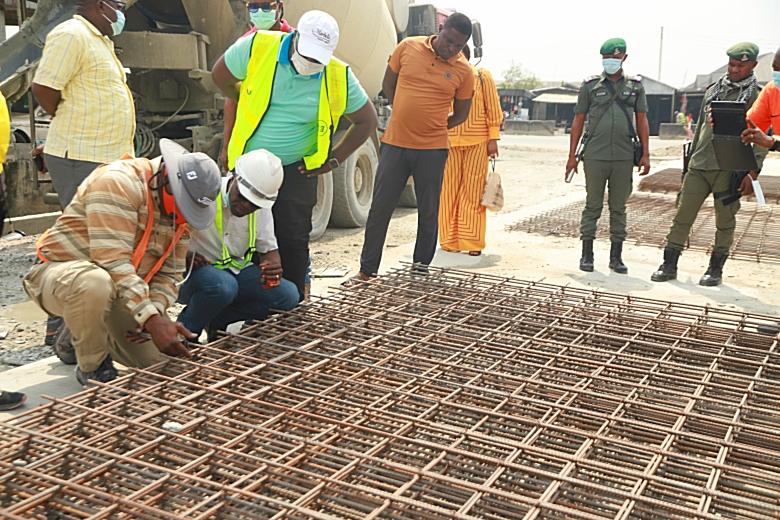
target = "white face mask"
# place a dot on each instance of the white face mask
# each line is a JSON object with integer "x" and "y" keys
{"x": 303, "y": 66}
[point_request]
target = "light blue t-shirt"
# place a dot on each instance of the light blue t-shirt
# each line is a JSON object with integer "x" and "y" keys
{"x": 289, "y": 128}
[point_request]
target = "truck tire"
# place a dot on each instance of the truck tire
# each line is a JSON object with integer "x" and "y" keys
{"x": 320, "y": 215}
{"x": 353, "y": 186}
{"x": 408, "y": 197}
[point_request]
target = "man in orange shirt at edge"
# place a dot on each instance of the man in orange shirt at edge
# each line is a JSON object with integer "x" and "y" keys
{"x": 425, "y": 77}
{"x": 765, "y": 112}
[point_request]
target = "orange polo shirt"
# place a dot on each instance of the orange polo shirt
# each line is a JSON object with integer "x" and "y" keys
{"x": 426, "y": 87}
{"x": 765, "y": 112}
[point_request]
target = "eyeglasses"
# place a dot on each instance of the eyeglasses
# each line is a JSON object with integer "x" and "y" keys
{"x": 261, "y": 6}
{"x": 254, "y": 191}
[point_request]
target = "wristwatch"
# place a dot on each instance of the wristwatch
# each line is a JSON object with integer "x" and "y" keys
{"x": 333, "y": 163}
{"x": 775, "y": 146}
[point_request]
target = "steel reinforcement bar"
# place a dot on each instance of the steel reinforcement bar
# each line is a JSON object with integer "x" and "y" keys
{"x": 756, "y": 238}
{"x": 446, "y": 395}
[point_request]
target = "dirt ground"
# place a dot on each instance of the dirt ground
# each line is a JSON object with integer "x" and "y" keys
{"x": 532, "y": 174}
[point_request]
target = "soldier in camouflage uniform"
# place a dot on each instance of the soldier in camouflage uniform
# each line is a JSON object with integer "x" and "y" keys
{"x": 613, "y": 104}
{"x": 704, "y": 176}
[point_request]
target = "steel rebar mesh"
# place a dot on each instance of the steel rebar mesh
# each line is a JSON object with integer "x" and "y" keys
{"x": 670, "y": 181}
{"x": 439, "y": 396}
{"x": 650, "y": 215}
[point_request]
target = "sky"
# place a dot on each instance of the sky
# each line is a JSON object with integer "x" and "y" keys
{"x": 560, "y": 39}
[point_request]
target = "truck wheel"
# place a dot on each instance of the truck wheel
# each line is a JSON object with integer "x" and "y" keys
{"x": 408, "y": 197}
{"x": 353, "y": 186}
{"x": 320, "y": 215}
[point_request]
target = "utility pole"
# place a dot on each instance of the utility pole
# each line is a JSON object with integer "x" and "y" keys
{"x": 660, "y": 53}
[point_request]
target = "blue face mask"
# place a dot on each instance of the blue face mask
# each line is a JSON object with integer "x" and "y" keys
{"x": 118, "y": 26}
{"x": 612, "y": 65}
{"x": 776, "y": 77}
{"x": 263, "y": 20}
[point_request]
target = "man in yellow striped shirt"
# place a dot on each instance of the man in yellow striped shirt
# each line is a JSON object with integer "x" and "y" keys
{"x": 82, "y": 84}
{"x": 462, "y": 219}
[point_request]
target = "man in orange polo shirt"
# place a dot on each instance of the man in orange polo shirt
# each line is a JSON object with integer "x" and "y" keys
{"x": 426, "y": 78}
{"x": 765, "y": 112}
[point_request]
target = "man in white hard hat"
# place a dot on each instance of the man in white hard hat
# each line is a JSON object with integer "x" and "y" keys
{"x": 236, "y": 271}
{"x": 110, "y": 264}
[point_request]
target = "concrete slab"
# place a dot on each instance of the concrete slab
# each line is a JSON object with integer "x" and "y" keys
{"x": 45, "y": 377}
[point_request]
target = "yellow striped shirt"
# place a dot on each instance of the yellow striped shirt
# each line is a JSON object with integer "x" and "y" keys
{"x": 485, "y": 116}
{"x": 95, "y": 119}
{"x": 103, "y": 224}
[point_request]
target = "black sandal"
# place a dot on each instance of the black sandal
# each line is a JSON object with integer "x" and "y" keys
{"x": 11, "y": 400}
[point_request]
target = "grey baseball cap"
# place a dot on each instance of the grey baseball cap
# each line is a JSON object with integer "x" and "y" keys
{"x": 195, "y": 182}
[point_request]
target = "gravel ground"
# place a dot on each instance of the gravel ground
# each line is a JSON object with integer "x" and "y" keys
{"x": 20, "y": 342}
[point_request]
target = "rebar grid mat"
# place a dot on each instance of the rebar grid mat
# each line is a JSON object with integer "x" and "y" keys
{"x": 756, "y": 238}
{"x": 670, "y": 181}
{"x": 447, "y": 395}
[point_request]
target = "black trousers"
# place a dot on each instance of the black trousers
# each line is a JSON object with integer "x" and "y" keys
{"x": 292, "y": 223}
{"x": 395, "y": 166}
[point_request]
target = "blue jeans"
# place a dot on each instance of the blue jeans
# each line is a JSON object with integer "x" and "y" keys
{"x": 219, "y": 297}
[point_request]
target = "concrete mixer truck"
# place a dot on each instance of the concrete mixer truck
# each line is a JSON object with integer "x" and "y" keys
{"x": 168, "y": 47}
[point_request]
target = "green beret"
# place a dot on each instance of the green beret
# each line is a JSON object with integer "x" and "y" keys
{"x": 744, "y": 51}
{"x": 613, "y": 46}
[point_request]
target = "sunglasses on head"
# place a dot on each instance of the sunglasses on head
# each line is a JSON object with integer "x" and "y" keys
{"x": 261, "y": 6}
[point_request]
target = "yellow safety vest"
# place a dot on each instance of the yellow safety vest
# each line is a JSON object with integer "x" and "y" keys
{"x": 5, "y": 130}
{"x": 227, "y": 259}
{"x": 255, "y": 97}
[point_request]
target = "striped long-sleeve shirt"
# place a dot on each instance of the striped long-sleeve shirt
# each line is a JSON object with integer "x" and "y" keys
{"x": 103, "y": 224}
{"x": 485, "y": 116}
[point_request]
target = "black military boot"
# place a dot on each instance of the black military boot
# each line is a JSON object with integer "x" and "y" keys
{"x": 616, "y": 258}
{"x": 668, "y": 270}
{"x": 714, "y": 274}
{"x": 586, "y": 261}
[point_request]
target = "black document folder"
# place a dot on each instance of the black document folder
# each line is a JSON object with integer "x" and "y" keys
{"x": 728, "y": 118}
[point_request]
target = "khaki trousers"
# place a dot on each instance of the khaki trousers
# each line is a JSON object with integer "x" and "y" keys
{"x": 86, "y": 298}
{"x": 615, "y": 176}
{"x": 697, "y": 186}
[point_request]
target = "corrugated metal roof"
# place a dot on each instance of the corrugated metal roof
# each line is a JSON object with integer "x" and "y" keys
{"x": 560, "y": 99}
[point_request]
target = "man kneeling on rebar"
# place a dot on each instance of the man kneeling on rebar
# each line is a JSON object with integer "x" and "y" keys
{"x": 110, "y": 264}
{"x": 704, "y": 175}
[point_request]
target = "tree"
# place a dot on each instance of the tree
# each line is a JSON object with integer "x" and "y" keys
{"x": 517, "y": 77}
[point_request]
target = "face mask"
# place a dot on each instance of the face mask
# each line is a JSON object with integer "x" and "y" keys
{"x": 612, "y": 65}
{"x": 776, "y": 77}
{"x": 118, "y": 26}
{"x": 303, "y": 66}
{"x": 263, "y": 20}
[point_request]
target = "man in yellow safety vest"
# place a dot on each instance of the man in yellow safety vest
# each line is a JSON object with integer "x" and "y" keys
{"x": 292, "y": 96}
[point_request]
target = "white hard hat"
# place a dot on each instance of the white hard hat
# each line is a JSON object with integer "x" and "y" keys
{"x": 259, "y": 174}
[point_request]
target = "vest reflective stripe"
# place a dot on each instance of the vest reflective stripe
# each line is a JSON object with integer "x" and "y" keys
{"x": 227, "y": 260}
{"x": 257, "y": 89}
